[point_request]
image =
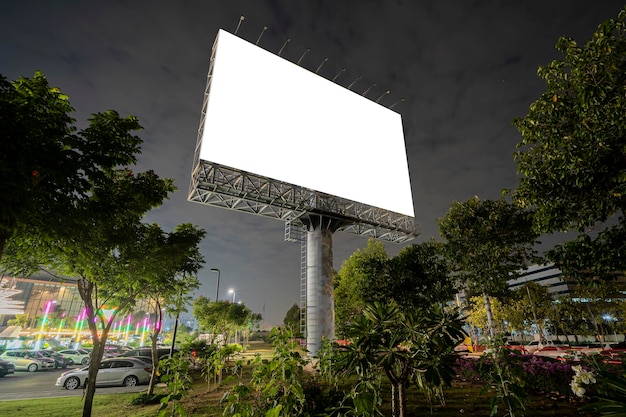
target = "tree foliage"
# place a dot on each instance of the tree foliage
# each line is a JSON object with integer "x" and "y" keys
{"x": 46, "y": 163}
{"x": 528, "y": 307}
{"x": 352, "y": 279}
{"x": 98, "y": 250}
{"x": 86, "y": 230}
{"x": 571, "y": 156}
{"x": 407, "y": 346}
{"x": 477, "y": 314}
{"x": 170, "y": 263}
{"x": 222, "y": 317}
{"x": 292, "y": 318}
{"x": 487, "y": 242}
{"x": 416, "y": 278}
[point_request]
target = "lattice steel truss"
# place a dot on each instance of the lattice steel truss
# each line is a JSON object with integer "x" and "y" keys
{"x": 219, "y": 186}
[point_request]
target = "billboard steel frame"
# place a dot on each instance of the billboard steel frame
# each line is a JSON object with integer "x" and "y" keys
{"x": 219, "y": 186}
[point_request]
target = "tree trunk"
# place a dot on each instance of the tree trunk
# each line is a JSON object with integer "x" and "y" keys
{"x": 492, "y": 332}
{"x": 3, "y": 239}
{"x": 94, "y": 364}
{"x": 398, "y": 399}
{"x": 154, "y": 337}
{"x": 593, "y": 320}
{"x": 394, "y": 400}
{"x": 155, "y": 364}
{"x": 86, "y": 290}
{"x": 401, "y": 399}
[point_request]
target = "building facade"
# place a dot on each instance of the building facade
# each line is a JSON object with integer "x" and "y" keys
{"x": 44, "y": 295}
{"x": 547, "y": 275}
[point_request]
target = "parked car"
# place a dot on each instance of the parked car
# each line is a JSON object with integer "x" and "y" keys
{"x": 60, "y": 361}
{"x": 6, "y": 368}
{"x": 79, "y": 356}
{"x": 146, "y": 352}
{"x": 514, "y": 345}
{"x": 538, "y": 344}
{"x": 27, "y": 360}
{"x": 614, "y": 351}
{"x": 552, "y": 351}
{"x": 116, "y": 350}
{"x": 126, "y": 372}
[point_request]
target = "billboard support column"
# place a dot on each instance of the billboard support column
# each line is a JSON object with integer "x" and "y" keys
{"x": 320, "y": 308}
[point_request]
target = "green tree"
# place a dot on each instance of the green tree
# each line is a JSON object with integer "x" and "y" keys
{"x": 571, "y": 317}
{"x": 530, "y": 304}
{"x": 351, "y": 281}
{"x": 221, "y": 318}
{"x": 594, "y": 304}
{"x": 97, "y": 248}
{"x": 571, "y": 156}
{"x": 407, "y": 346}
{"x": 19, "y": 320}
{"x": 170, "y": 262}
{"x": 292, "y": 318}
{"x": 417, "y": 277}
{"x": 488, "y": 242}
{"x": 477, "y": 314}
{"x": 96, "y": 219}
{"x": 46, "y": 163}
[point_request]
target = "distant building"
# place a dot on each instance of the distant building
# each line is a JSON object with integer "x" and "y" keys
{"x": 29, "y": 296}
{"x": 32, "y": 296}
{"x": 547, "y": 275}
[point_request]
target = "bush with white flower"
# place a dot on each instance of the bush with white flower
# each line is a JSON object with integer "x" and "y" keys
{"x": 604, "y": 385}
{"x": 581, "y": 378}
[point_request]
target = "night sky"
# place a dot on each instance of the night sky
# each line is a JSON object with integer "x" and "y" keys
{"x": 466, "y": 69}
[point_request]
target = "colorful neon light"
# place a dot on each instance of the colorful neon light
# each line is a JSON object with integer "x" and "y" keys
{"x": 46, "y": 311}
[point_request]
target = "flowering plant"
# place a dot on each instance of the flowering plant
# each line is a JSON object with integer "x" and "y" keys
{"x": 582, "y": 377}
{"x": 608, "y": 396}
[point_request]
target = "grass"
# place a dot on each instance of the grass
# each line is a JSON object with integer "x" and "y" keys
{"x": 103, "y": 406}
{"x": 463, "y": 399}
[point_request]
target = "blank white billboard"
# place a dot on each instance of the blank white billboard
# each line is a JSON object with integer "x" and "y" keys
{"x": 268, "y": 116}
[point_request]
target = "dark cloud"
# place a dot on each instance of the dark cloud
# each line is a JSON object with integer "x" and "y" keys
{"x": 466, "y": 70}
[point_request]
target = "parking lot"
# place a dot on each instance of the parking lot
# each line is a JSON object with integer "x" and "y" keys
{"x": 25, "y": 385}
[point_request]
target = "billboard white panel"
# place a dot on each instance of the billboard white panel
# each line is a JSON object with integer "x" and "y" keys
{"x": 268, "y": 116}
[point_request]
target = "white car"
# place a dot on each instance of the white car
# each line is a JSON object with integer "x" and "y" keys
{"x": 126, "y": 372}
{"x": 79, "y": 356}
{"x": 552, "y": 351}
{"x": 28, "y": 360}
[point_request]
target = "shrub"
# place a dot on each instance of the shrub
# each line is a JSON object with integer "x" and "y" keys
{"x": 544, "y": 374}
{"x": 540, "y": 373}
{"x": 467, "y": 368}
{"x": 320, "y": 399}
{"x": 147, "y": 399}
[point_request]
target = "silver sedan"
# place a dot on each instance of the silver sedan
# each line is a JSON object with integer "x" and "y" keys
{"x": 126, "y": 372}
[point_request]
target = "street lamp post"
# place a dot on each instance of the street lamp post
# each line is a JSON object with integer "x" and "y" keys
{"x": 233, "y": 292}
{"x": 217, "y": 291}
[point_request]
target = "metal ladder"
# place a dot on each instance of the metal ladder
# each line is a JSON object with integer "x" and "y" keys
{"x": 297, "y": 233}
{"x": 303, "y": 285}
